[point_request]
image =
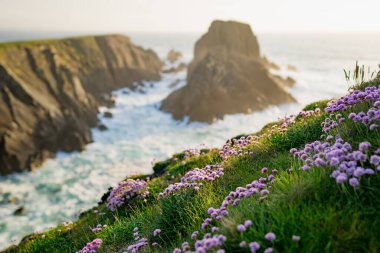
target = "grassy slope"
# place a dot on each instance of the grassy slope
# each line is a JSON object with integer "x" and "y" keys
{"x": 328, "y": 217}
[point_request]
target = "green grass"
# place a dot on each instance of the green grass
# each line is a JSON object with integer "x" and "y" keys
{"x": 328, "y": 217}
{"x": 49, "y": 41}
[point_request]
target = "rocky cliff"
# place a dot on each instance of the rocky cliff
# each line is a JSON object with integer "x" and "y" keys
{"x": 227, "y": 75}
{"x": 50, "y": 92}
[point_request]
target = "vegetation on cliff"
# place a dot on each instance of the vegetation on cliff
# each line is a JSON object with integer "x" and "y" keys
{"x": 308, "y": 183}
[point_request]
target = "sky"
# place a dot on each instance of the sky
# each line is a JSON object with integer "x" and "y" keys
{"x": 189, "y": 15}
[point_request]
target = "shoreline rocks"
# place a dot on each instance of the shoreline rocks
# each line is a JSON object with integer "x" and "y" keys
{"x": 50, "y": 92}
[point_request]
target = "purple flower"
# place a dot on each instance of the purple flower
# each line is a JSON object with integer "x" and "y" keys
{"x": 268, "y": 250}
{"x": 364, "y": 146}
{"x": 241, "y": 228}
{"x": 194, "y": 235}
{"x": 254, "y": 246}
{"x": 264, "y": 170}
{"x": 341, "y": 178}
{"x": 354, "y": 182}
{"x": 91, "y": 247}
{"x": 243, "y": 244}
{"x": 248, "y": 223}
{"x": 156, "y": 232}
{"x": 375, "y": 160}
{"x": 296, "y": 238}
{"x": 270, "y": 236}
{"x": 177, "y": 250}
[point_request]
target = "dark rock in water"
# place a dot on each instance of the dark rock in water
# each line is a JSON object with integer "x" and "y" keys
{"x": 102, "y": 127}
{"x": 107, "y": 114}
{"x": 125, "y": 92}
{"x": 173, "y": 56}
{"x": 226, "y": 76}
{"x": 50, "y": 92}
{"x": 19, "y": 211}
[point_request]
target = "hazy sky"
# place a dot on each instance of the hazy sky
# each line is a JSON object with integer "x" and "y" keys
{"x": 189, "y": 15}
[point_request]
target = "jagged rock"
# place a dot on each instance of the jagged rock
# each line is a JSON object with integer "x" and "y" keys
{"x": 287, "y": 82}
{"x": 173, "y": 56}
{"x": 107, "y": 114}
{"x": 226, "y": 76}
{"x": 50, "y": 92}
{"x": 269, "y": 65}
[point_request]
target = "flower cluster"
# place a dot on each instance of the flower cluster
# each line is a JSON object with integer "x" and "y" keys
{"x": 91, "y": 247}
{"x": 371, "y": 118}
{"x": 125, "y": 191}
{"x": 255, "y": 246}
{"x": 329, "y": 123}
{"x": 140, "y": 242}
{"x": 191, "y": 152}
{"x": 68, "y": 225}
{"x": 256, "y": 187}
{"x": 209, "y": 242}
{"x": 98, "y": 228}
{"x": 235, "y": 147}
{"x": 309, "y": 113}
{"x": 134, "y": 248}
{"x": 340, "y": 154}
{"x": 193, "y": 178}
{"x": 370, "y": 94}
{"x": 238, "y": 147}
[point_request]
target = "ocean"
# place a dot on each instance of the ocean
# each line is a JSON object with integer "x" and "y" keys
{"x": 140, "y": 134}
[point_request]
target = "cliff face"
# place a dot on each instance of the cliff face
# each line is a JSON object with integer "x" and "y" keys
{"x": 50, "y": 91}
{"x": 226, "y": 76}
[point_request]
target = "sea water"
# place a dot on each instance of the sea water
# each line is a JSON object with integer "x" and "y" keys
{"x": 139, "y": 133}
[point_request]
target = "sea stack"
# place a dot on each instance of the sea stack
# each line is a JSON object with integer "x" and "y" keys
{"x": 226, "y": 76}
{"x": 50, "y": 92}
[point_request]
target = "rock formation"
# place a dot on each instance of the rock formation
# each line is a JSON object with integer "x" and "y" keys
{"x": 226, "y": 76}
{"x": 173, "y": 56}
{"x": 50, "y": 92}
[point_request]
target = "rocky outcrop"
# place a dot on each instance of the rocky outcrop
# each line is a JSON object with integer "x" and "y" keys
{"x": 50, "y": 92}
{"x": 173, "y": 56}
{"x": 226, "y": 76}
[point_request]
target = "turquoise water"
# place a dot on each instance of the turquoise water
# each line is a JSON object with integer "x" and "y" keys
{"x": 139, "y": 133}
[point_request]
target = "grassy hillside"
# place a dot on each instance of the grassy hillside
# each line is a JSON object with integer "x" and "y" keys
{"x": 322, "y": 197}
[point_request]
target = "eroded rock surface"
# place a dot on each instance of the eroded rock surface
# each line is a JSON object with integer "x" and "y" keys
{"x": 50, "y": 92}
{"x": 227, "y": 75}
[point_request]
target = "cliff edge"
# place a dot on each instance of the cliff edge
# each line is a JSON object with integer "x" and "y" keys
{"x": 50, "y": 92}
